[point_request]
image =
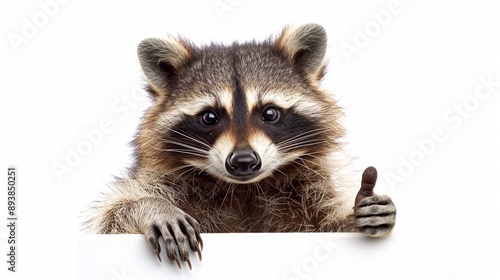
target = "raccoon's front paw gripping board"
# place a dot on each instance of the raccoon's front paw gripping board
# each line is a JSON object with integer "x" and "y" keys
{"x": 179, "y": 232}
{"x": 374, "y": 215}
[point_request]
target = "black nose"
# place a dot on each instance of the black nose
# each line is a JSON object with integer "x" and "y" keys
{"x": 243, "y": 163}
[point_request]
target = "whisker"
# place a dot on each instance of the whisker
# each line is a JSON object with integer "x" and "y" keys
{"x": 187, "y": 152}
{"x": 191, "y": 138}
{"x": 301, "y": 144}
{"x": 303, "y": 140}
{"x": 199, "y": 141}
{"x": 185, "y": 145}
{"x": 303, "y": 164}
{"x": 309, "y": 133}
{"x": 284, "y": 174}
{"x": 192, "y": 169}
{"x": 175, "y": 169}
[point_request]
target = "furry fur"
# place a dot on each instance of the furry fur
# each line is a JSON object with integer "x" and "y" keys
{"x": 215, "y": 101}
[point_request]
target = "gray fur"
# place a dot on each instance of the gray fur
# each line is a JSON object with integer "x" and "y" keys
{"x": 159, "y": 59}
{"x": 305, "y": 45}
{"x": 178, "y": 186}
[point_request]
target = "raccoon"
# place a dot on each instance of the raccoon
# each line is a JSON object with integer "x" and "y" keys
{"x": 239, "y": 138}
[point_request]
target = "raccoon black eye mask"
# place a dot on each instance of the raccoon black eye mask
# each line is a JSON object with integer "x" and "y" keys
{"x": 239, "y": 138}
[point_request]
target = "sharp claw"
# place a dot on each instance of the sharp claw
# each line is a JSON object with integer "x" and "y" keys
{"x": 195, "y": 245}
{"x": 200, "y": 241}
{"x": 158, "y": 250}
{"x": 199, "y": 252}
{"x": 178, "y": 263}
{"x": 153, "y": 241}
{"x": 171, "y": 232}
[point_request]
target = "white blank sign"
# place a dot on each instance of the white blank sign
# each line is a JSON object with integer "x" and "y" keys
{"x": 273, "y": 256}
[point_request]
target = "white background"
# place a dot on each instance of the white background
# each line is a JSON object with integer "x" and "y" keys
{"x": 69, "y": 66}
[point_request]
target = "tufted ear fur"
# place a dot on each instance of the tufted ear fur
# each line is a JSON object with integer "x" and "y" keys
{"x": 305, "y": 45}
{"x": 160, "y": 59}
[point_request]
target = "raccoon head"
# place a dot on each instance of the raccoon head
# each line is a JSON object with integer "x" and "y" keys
{"x": 239, "y": 113}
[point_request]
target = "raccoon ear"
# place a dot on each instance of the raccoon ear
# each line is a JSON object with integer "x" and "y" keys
{"x": 305, "y": 46}
{"x": 160, "y": 59}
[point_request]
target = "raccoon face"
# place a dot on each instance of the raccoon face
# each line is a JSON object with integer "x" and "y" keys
{"x": 238, "y": 113}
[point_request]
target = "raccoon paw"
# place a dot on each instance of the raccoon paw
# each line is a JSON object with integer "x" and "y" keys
{"x": 374, "y": 215}
{"x": 179, "y": 232}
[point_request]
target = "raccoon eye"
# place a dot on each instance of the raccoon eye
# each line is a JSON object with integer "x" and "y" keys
{"x": 209, "y": 118}
{"x": 270, "y": 114}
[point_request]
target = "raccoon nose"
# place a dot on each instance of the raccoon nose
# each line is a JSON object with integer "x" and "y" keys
{"x": 243, "y": 162}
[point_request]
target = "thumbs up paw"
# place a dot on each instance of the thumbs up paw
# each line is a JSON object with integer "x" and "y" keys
{"x": 374, "y": 215}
